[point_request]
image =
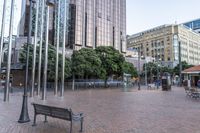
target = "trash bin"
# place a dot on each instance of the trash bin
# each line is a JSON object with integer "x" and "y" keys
{"x": 166, "y": 82}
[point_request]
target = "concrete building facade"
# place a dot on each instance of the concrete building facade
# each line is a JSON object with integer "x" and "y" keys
{"x": 162, "y": 42}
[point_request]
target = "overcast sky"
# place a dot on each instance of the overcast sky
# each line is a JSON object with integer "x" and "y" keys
{"x": 146, "y": 14}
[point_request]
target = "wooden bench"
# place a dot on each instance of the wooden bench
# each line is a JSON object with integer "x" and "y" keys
{"x": 60, "y": 113}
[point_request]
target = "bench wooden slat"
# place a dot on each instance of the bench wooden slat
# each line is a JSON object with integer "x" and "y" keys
{"x": 61, "y": 113}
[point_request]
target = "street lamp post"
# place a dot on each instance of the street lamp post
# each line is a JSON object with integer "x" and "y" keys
{"x": 49, "y": 3}
{"x": 2, "y": 32}
{"x": 24, "y": 116}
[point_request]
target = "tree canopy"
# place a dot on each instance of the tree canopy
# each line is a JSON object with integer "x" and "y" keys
{"x": 85, "y": 62}
{"x": 112, "y": 60}
{"x": 185, "y": 65}
{"x": 51, "y": 61}
{"x": 129, "y": 69}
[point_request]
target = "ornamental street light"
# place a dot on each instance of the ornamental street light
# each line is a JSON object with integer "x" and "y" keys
{"x": 2, "y": 32}
{"x": 24, "y": 116}
{"x": 49, "y": 3}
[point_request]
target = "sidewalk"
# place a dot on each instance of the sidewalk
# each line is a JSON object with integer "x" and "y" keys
{"x": 110, "y": 111}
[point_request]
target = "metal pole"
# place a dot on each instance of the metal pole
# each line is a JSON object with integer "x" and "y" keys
{"x": 46, "y": 55}
{"x": 73, "y": 81}
{"x": 73, "y": 76}
{"x": 180, "y": 64}
{"x": 6, "y": 94}
{"x": 63, "y": 52}
{"x": 139, "y": 69}
{"x": 2, "y": 32}
{"x": 157, "y": 75}
{"x": 57, "y": 48}
{"x": 34, "y": 50}
{"x": 145, "y": 72}
{"x": 40, "y": 49}
{"x": 24, "y": 116}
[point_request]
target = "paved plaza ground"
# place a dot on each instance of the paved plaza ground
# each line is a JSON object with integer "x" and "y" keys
{"x": 110, "y": 111}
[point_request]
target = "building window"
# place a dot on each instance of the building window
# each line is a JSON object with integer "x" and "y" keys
{"x": 168, "y": 38}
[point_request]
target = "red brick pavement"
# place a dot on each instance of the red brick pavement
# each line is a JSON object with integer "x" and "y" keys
{"x": 110, "y": 111}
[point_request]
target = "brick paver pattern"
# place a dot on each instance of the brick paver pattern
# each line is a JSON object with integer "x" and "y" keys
{"x": 110, "y": 111}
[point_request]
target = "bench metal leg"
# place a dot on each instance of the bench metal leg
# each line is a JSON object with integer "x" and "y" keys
{"x": 71, "y": 127}
{"x": 81, "y": 125}
{"x": 34, "y": 121}
{"x": 45, "y": 119}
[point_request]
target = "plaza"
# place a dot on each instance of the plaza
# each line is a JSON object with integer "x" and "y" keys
{"x": 109, "y": 111}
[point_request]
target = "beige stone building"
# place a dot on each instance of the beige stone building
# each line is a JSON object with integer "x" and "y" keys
{"x": 162, "y": 43}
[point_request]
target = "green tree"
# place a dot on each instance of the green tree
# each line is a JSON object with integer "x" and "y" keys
{"x": 129, "y": 69}
{"x": 166, "y": 69}
{"x": 151, "y": 68}
{"x": 112, "y": 61}
{"x": 185, "y": 65}
{"x": 85, "y": 62}
{"x": 51, "y": 61}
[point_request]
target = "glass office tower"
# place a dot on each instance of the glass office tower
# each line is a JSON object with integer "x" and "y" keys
{"x": 194, "y": 25}
{"x": 96, "y": 23}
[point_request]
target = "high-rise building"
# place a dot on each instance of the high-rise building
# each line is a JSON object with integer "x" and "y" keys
{"x": 52, "y": 19}
{"x": 162, "y": 43}
{"x": 96, "y": 23}
{"x": 194, "y": 25}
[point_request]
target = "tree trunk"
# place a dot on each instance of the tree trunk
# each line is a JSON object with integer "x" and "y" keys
{"x": 105, "y": 83}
